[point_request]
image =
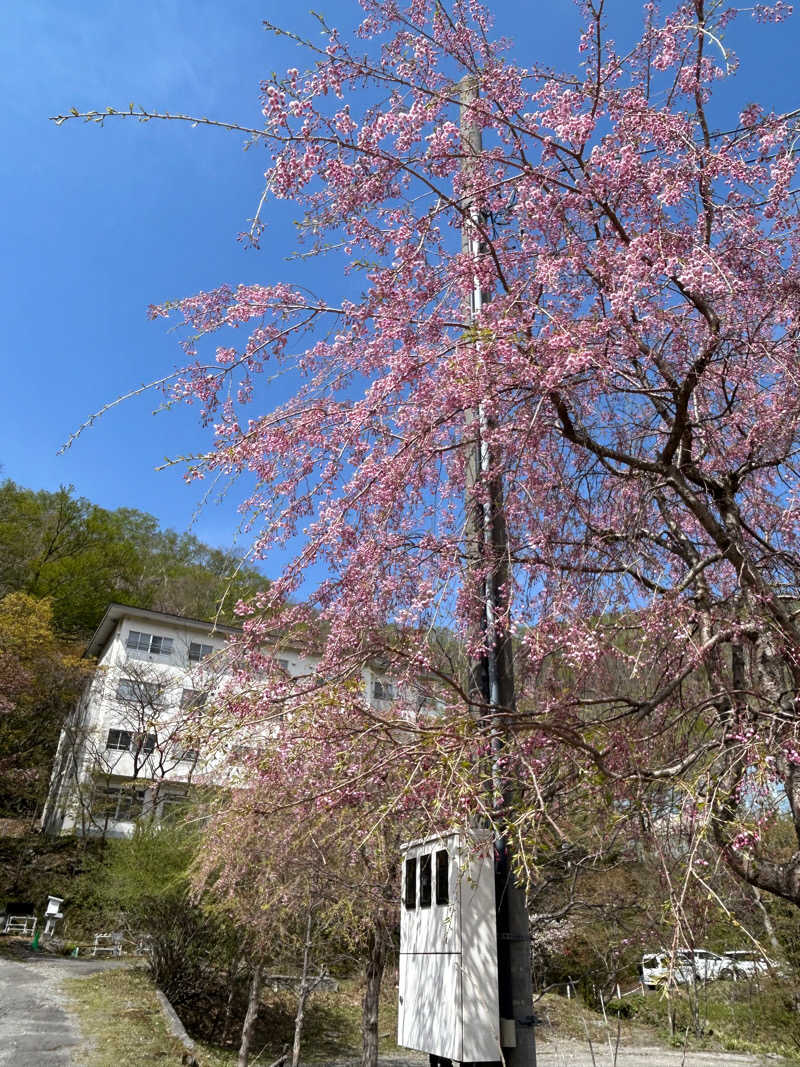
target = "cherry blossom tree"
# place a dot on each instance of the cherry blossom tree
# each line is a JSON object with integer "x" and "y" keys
{"x": 601, "y": 302}
{"x": 308, "y": 868}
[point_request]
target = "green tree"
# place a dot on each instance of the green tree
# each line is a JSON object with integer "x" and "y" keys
{"x": 83, "y": 556}
{"x": 39, "y": 681}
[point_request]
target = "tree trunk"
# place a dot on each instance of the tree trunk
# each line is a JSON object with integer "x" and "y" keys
{"x": 226, "y": 1019}
{"x": 769, "y": 929}
{"x": 376, "y": 961}
{"x": 250, "y": 1017}
{"x": 302, "y": 995}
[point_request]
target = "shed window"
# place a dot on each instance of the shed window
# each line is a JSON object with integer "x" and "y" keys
{"x": 442, "y": 877}
{"x": 425, "y": 871}
{"x": 410, "y": 895}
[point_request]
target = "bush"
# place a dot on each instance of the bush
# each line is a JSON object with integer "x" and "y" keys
{"x": 144, "y": 887}
{"x": 622, "y": 1008}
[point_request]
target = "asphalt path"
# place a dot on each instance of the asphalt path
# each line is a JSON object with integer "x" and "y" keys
{"x": 36, "y": 1027}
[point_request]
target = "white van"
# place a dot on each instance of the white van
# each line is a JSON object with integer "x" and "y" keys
{"x": 687, "y": 965}
{"x": 748, "y": 963}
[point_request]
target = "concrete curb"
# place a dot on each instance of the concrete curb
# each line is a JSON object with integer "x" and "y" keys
{"x": 178, "y": 1030}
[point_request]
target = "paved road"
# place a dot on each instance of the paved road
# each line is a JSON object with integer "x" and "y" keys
{"x": 36, "y": 1030}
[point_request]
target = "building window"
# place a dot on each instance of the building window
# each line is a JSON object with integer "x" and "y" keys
{"x": 148, "y": 743}
{"x": 382, "y": 690}
{"x": 144, "y": 694}
{"x": 138, "y": 743}
{"x": 410, "y": 894}
{"x": 120, "y": 739}
{"x": 118, "y": 803}
{"x": 283, "y": 664}
{"x": 442, "y": 877}
{"x": 198, "y": 651}
{"x": 172, "y": 805}
{"x": 156, "y": 645}
{"x": 424, "y": 703}
{"x": 190, "y": 755}
{"x": 193, "y": 699}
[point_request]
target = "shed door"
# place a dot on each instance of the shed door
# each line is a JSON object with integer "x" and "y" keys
{"x": 430, "y": 1009}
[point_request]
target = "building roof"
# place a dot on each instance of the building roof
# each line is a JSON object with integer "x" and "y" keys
{"x": 115, "y": 612}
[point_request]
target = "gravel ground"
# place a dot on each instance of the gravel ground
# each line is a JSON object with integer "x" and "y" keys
{"x": 36, "y": 1029}
{"x": 574, "y": 1054}
{"x": 413, "y": 1059}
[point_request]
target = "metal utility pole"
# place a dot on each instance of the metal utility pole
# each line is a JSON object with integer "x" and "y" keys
{"x": 491, "y": 674}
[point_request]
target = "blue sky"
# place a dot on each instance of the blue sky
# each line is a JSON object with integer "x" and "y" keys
{"x": 100, "y": 223}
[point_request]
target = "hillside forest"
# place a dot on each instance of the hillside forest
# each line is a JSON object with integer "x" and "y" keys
{"x": 63, "y": 559}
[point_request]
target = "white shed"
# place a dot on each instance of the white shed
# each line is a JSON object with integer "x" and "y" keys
{"x": 448, "y": 949}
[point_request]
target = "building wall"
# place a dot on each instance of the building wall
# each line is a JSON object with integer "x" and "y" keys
{"x": 98, "y": 784}
{"x": 126, "y": 749}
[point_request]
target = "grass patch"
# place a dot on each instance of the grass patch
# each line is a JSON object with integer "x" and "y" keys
{"x": 332, "y": 1027}
{"x": 330, "y": 1030}
{"x": 122, "y": 1023}
{"x": 557, "y": 1017}
{"x": 121, "y": 1020}
{"x": 755, "y": 1017}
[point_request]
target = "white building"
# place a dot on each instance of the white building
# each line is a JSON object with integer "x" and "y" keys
{"x": 134, "y": 743}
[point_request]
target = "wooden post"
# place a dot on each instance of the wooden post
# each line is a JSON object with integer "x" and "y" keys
{"x": 491, "y": 680}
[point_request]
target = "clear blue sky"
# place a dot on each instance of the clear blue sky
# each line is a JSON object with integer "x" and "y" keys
{"x": 100, "y": 223}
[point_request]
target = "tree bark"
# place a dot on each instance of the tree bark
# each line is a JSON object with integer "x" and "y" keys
{"x": 302, "y": 995}
{"x": 769, "y": 929}
{"x": 250, "y": 1017}
{"x": 226, "y": 1019}
{"x": 376, "y": 962}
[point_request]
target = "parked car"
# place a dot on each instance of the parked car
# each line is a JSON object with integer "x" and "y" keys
{"x": 687, "y": 965}
{"x": 657, "y": 968}
{"x": 747, "y": 963}
{"x": 706, "y": 965}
